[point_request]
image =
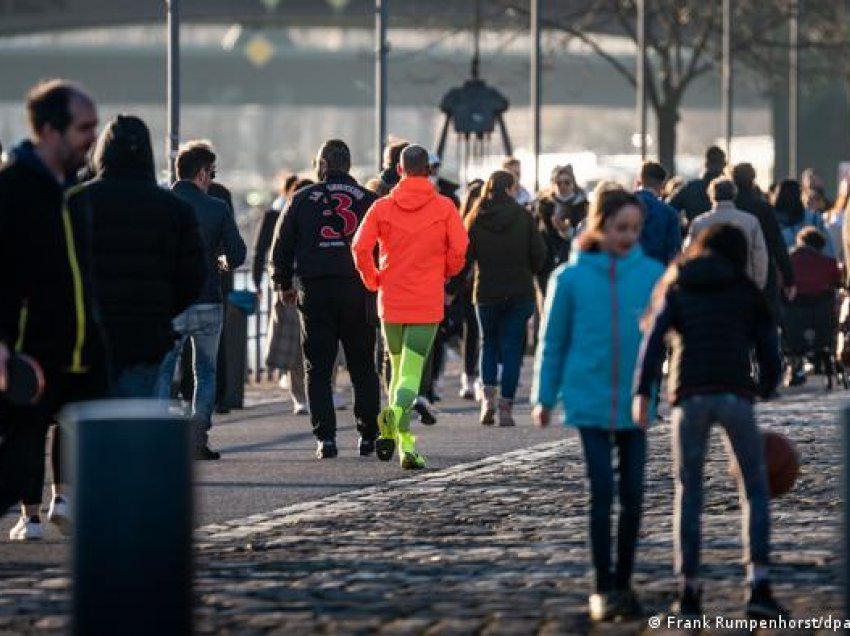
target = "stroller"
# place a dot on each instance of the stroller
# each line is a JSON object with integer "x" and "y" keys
{"x": 810, "y": 334}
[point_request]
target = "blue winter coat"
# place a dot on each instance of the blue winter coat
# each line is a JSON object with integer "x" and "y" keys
{"x": 590, "y": 337}
{"x": 661, "y": 237}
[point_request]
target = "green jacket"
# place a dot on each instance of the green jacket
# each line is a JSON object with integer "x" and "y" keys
{"x": 507, "y": 251}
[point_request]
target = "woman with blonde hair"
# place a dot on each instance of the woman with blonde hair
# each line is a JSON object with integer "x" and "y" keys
{"x": 560, "y": 210}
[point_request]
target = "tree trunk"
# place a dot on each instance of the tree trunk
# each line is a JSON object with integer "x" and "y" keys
{"x": 667, "y": 117}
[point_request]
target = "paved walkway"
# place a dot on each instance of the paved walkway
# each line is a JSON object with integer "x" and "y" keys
{"x": 496, "y": 546}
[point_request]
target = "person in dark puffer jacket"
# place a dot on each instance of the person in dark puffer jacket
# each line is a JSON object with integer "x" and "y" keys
{"x": 716, "y": 316}
{"x": 147, "y": 253}
{"x": 507, "y": 252}
{"x": 692, "y": 198}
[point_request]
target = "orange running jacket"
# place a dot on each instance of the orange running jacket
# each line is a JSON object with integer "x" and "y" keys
{"x": 422, "y": 244}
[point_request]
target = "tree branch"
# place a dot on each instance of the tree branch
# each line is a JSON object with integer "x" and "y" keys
{"x": 621, "y": 68}
{"x": 698, "y": 51}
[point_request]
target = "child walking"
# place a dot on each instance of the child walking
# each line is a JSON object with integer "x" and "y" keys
{"x": 717, "y": 317}
{"x": 589, "y": 343}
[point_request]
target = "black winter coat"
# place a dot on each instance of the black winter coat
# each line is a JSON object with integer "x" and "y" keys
{"x": 558, "y": 246}
{"x": 749, "y": 200}
{"x": 46, "y": 300}
{"x": 692, "y": 198}
{"x": 507, "y": 252}
{"x": 314, "y": 233}
{"x": 219, "y": 234}
{"x": 148, "y": 263}
{"x": 716, "y": 317}
{"x": 262, "y": 245}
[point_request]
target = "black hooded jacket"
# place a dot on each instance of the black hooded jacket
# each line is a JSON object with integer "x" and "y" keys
{"x": 573, "y": 210}
{"x": 314, "y": 232}
{"x": 692, "y": 198}
{"x": 148, "y": 260}
{"x": 46, "y": 304}
{"x": 507, "y": 251}
{"x": 750, "y": 201}
{"x": 716, "y": 317}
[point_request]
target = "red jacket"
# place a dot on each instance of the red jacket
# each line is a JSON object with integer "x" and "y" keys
{"x": 815, "y": 273}
{"x": 422, "y": 244}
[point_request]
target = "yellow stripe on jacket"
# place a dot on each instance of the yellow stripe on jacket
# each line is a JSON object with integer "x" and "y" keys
{"x": 76, "y": 276}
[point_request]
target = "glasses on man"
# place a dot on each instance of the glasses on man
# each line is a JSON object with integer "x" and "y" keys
{"x": 566, "y": 183}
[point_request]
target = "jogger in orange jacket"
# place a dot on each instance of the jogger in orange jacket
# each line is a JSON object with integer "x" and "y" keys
{"x": 422, "y": 243}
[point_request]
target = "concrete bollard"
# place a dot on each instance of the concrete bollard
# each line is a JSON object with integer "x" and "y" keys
{"x": 132, "y": 544}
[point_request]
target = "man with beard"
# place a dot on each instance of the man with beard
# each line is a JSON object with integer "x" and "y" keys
{"x": 46, "y": 304}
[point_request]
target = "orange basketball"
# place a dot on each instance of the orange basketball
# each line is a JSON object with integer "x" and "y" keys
{"x": 781, "y": 462}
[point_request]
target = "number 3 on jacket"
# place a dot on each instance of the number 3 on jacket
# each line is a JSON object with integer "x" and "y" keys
{"x": 343, "y": 210}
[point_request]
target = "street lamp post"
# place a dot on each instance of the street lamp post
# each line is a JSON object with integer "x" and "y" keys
{"x": 535, "y": 89}
{"x": 173, "y": 93}
{"x": 380, "y": 79}
{"x": 640, "y": 78}
{"x": 793, "y": 86}
{"x": 726, "y": 79}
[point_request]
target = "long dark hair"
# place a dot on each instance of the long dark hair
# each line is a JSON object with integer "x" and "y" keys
{"x": 789, "y": 201}
{"x": 608, "y": 199}
{"x": 722, "y": 240}
{"x": 495, "y": 191}
{"x": 473, "y": 193}
{"x": 124, "y": 149}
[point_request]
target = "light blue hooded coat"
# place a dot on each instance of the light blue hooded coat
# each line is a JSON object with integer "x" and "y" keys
{"x": 590, "y": 337}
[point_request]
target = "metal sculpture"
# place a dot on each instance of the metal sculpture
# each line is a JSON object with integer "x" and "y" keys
{"x": 475, "y": 109}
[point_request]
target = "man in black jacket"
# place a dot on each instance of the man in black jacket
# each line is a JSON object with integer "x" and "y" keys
{"x": 201, "y": 323}
{"x": 750, "y": 200}
{"x": 228, "y": 283}
{"x": 46, "y": 304}
{"x": 692, "y": 198}
{"x": 148, "y": 256}
{"x": 313, "y": 243}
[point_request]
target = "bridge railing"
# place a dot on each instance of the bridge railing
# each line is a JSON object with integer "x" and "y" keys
{"x": 258, "y": 328}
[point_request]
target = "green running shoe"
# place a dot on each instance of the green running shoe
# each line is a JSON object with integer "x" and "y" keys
{"x": 409, "y": 457}
{"x": 385, "y": 444}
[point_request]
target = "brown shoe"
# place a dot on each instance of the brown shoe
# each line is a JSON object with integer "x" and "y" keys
{"x": 506, "y": 417}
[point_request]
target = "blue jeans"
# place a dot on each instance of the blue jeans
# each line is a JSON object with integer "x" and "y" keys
{"x": 692, "y": 419}
{"x": 631, "y": 460}
{"x": 137, "y": 381}
{"x": 502, "y": 336}
{"x": 202, "y": 325}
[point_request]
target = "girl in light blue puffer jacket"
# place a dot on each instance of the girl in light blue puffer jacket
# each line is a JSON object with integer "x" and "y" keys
{"x": 589, "y": 341}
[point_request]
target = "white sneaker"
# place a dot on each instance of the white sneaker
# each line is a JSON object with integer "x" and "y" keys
{"x": 599, "y": 608}
{"x": 59, "y": 514}
{"x": 283, "y": 383}
{"x": 299, "y": 408}
{"x": 466, "y": 388}
{"x": 26, "y": 530}
{"x": 478, "y": 387}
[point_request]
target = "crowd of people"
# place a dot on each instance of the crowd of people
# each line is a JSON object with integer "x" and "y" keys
{"x": 112, "y": 274}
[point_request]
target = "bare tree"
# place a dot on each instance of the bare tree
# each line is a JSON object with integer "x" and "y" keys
{"x": 683, "y": 40}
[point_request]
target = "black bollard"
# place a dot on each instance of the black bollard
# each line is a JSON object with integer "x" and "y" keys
{"x": 132, "y": 545}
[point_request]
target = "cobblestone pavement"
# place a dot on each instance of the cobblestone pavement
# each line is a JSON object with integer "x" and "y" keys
{"x": 493, "y": 547}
